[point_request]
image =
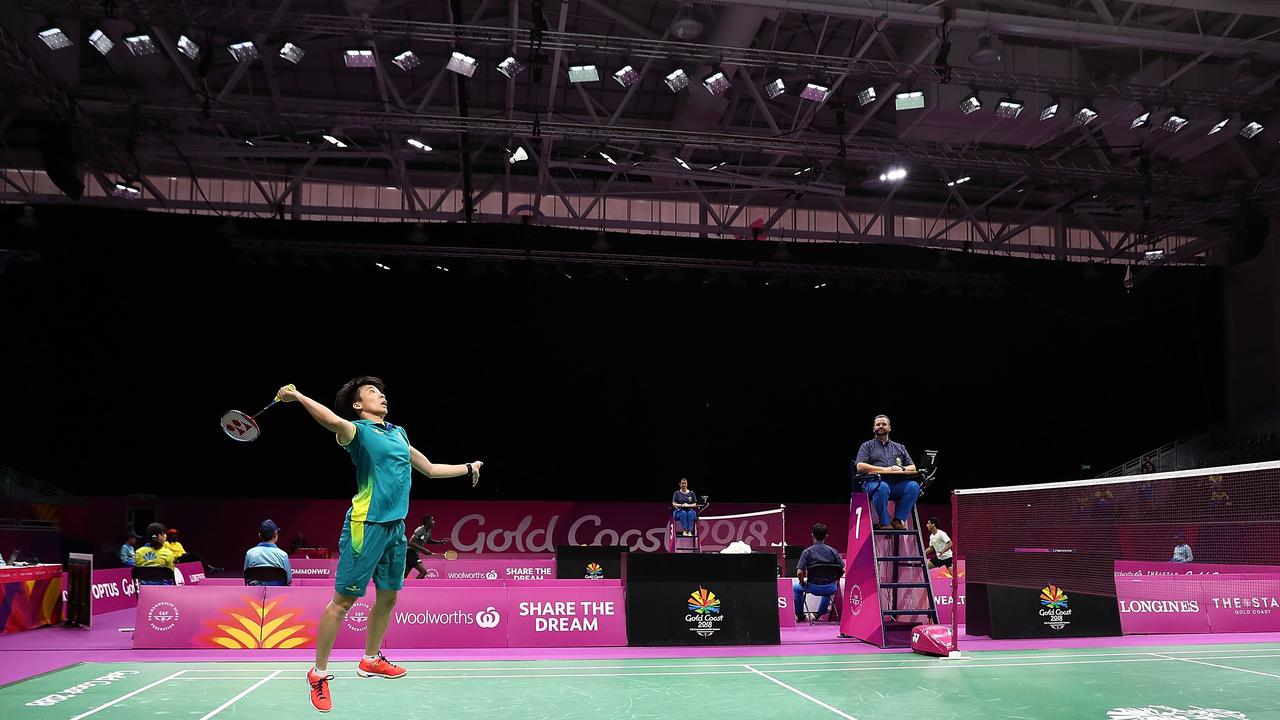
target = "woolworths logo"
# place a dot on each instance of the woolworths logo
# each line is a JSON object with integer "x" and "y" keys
{"x": 477, "y": 575}
{"x": 488, "y": 618}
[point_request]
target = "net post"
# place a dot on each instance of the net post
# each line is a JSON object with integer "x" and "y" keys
{"x": 782, "y": 551}
{"x": 955, "y": 578}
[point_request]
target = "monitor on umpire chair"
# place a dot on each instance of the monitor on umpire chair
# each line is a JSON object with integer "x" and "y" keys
{"x": 928, "y": 462}
{"x": 927, "y": 467}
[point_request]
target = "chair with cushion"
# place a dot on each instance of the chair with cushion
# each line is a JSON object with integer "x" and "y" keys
{"x": 822, "y": 574}
{"x": 153, "y": 575}
{"x": 266, "y": 575}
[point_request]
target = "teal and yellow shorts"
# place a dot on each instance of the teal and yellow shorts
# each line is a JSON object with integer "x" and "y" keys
{"x": 370, "y": 551}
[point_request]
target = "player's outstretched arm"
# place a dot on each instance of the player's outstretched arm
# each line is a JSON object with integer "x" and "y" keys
{"x": 438, "y": 470}
{"x": 344, "y": 429}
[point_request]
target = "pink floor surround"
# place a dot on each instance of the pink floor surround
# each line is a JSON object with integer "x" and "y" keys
{"x": 26, "y": 654}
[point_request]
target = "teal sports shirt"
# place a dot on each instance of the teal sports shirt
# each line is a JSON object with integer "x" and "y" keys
{"x": 380, "y": 452}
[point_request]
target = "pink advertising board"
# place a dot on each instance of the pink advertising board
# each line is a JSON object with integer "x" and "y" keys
{"x": 940, "y": 582}
{"x": 1242, "y": 603}
{"x": 176, "y": 616}
{"x": 552, "y": 616}
{"x": 304, "y": 568}
{"x": 113, "y": 589}
{"x": 1207, "y": 601}
{"x": 443, "y": 617}
{"x": 508, "y": 569}
{"x": 786, "y": 598}
{"x": 861, "y": 614}
{"x": 415, "y": 583}
{"x": 1139, "y": 568}
{"x": 484, "y": 569}
{"x": 481, "y": 527}
{"x": 541, "y": 615}
{"x": 1161, "y": 605}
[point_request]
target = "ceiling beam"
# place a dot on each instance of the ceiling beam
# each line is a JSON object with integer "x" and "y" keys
{"x": 818, "y": 148}
{"x": 1043, "y": 28}
{"x": 712, "y": 55}
{"x": 1256, "y": 8}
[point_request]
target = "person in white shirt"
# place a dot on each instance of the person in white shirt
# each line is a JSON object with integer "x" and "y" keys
{"x": 1182, "y": 551}
{"x": 939, "y": 543}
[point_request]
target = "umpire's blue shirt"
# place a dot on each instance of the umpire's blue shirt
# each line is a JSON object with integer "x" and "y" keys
{"x": 883, "y": 454}
{"x": 818, "y": 552}
{"x": 266, "y": 554}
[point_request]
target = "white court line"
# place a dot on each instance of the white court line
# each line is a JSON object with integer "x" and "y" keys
{"x": 1224, "y": 667}
{"x": 804, "y": 695}
{"x": 122, "y": 698}
{"x": 445, "y": 667}
{"x": 411, "y": 676}
{"x": 920, "y": 665}
{"x": 246, "y": 691}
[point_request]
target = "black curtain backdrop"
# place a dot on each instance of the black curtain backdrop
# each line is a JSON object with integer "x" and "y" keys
{"x": 126, "y": 335}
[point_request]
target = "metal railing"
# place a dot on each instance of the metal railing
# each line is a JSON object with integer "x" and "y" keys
{"x": 24, "y": 488}
{"x": 1257, "y": 440}
{"x": 1181, "y": 454}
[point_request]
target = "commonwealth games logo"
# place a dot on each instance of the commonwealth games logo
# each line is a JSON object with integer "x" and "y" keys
{"x": 594, "y": 572}
{"x": 163, "y": 616}
{"x": 855, "y": 599}
{"x": 1053, "y": 597}
{"x": 704, "y": 602}
{"x": 358, "y": 617}
{"x": 1054, "y": 608}
{"x": 704, "y": 617}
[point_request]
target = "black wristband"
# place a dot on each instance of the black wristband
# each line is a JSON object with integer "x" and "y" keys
{"x": 470, "y": 471}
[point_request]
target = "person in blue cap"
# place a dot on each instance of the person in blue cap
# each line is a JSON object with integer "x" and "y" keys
{"x": 267, "y": 554}
{"x": 129, "y": 549}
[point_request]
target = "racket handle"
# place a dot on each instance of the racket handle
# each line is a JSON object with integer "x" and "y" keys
{"x": 272, "y": 403}
{"x": 278, "y": 398}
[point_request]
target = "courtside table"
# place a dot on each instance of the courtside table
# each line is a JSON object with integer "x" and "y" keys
{"x": 32, "y": 597}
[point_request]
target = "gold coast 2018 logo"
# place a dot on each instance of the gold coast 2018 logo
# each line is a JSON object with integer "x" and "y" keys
{"x": 1053, "y": 607}
{"x": 594, "y": 572}
{"x": 704, "y": 615}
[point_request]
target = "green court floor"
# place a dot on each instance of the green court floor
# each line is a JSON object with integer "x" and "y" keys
{"x": 1225, "y": 682}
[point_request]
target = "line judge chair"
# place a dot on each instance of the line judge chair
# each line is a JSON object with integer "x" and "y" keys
{"x": 823, "y": 574}
{"x": 266, "y": 575}
{"x": 153, "y": 575}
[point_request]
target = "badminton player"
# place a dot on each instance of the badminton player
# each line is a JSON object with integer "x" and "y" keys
{"x": 418, "y": 544}
{"x": 372, "y": 545}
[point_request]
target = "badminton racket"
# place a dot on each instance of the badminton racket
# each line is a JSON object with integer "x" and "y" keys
{"x": 242, "y": 427}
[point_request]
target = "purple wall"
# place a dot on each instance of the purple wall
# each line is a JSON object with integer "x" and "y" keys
{"x": 222, "y": 528}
